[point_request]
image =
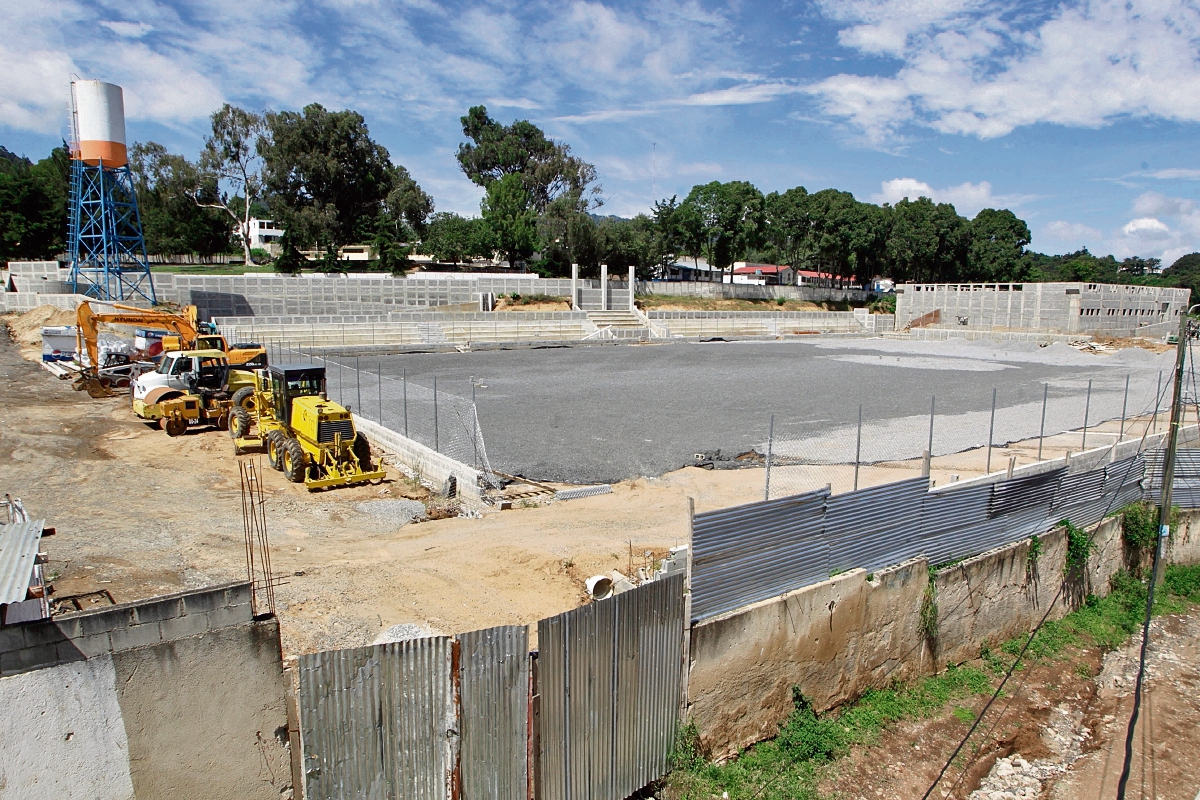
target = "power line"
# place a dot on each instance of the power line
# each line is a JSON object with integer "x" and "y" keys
{"x": 1029, "y": 641}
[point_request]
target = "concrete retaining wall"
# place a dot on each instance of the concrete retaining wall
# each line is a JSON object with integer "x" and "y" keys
{"x": 426, "y": 462}
{"x": 1056, "y": 307}
{"x": 743, "y": 291}
{"x": 176, "y": 696}
{"x": 838, "y": 638}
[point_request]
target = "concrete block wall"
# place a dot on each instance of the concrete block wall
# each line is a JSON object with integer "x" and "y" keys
{"x": 742, "y": 291}
{"x": 176, "y": 696}
{"x": 1054, "y": 307}
{"x": 838, "y": 638}
{"x": 755, "y": 323}
{"x": 431, "y": 465}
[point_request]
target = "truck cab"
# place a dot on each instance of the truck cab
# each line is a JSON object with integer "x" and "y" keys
{"x": 188, "y": 371}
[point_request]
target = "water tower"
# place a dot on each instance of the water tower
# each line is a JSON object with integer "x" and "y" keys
{"x": 104, "y": 234}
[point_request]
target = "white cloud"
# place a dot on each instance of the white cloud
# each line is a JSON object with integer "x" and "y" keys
{"x": 1072, "y": 233}
{"x": 1176, "y": 174}
{"x": 971, "y": 68}
{"x": 1146, "y": 228}
{"x": 968, "y": 198}
{"x": 129, "y": 30}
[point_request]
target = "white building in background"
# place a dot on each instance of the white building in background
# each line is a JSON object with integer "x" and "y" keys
{"x": 264, "y": 233}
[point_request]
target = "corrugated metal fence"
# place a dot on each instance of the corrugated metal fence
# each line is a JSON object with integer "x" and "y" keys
{"x": 447, "y": 718}
{"x": 608, "y": 684}
{"x": 753, "y": 552}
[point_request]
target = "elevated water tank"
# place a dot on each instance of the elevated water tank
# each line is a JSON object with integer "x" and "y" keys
{"x": 99, "y": 121}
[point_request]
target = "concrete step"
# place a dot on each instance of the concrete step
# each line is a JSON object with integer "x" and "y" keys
{"x": 432, "y": 333}
{"x": 615, "y": 319}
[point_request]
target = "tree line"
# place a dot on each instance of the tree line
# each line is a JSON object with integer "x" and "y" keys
{"x": 328, "y": 183}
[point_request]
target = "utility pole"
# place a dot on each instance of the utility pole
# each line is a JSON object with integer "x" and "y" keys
{"x": 1164, "y": 529}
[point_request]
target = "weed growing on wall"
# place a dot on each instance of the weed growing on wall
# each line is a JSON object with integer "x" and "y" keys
{"x": 1031, "y": 559}
{"x": 1079, "y": 548}
{"x": 929, "y": 609}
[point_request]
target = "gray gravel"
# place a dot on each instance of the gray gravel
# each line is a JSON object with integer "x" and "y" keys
{"x": 603, "y": 414}
{"x": 398, "y": 512}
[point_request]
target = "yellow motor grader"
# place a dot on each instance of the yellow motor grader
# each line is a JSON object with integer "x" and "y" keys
{"x": 307, "y": 437}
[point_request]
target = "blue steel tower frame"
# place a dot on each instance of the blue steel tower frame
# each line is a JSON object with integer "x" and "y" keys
{"x": 104, "y": 235}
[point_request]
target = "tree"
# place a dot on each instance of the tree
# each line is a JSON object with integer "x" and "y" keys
{"x": 452, "y": 238}
{"x": 174, "y": 203}
{"x": 289, "y": 261}
{"x": 33, "y": 205}
{"x": 926, "y": 242}
{"x": 231, "y": 161}
{"x": 725, "y": 220}
{"x": 511, "y": 218}
{"x": 328, "y": 180}
{"x": 997, "y": 248}
{"x": 547, "y": 169}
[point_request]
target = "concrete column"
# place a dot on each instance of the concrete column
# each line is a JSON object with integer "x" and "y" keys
{"x": 632, "y": 285}
{"x": 604, "y": 287}
{"x": 575, "y": 286}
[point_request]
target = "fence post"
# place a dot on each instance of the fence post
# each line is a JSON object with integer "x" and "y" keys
{"x": 1042, "y": 432}
{"x": 929, "y": 452}
{"x": 404, "y": 380}
{"x": 1087, "y": 407}
{"x": 1124, "y": 408}
{"x": 770, "y": 445}
{"x": 858, "y": 447}
{"x": 1157, "y": 400}
{"x": 379, "y": 387}
{"x": 358, "y": 385}
{"x": 436, "y": 445}
{"x": 991, "y": 431}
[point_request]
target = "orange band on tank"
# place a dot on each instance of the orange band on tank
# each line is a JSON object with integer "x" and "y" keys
{"x": 114, "y": 154}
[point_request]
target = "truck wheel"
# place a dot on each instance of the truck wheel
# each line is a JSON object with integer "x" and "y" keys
{"x": 244, "y": 397}
{"x": 362, "y": 451}
{"x": 175, "y": 426}
{"x": 275, "y": 449}
{"x": 239, "y": 422}
{"x": 293, "y": 461}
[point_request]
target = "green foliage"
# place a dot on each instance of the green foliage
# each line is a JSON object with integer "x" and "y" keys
{"x": 1079, "y": 547}
{"x": 33, "y": 205}
{"x": 963, "y": 715}
{"x": 780, "y": 301}
{"x": 329, "y": 180}
{"x": 449, "y": 237}
{"x": 998, "y": 241}
{"x": 290, "y": 262}
{"x": 546, "y": 169}
{"x": 175, "y": 201}
{"x": 929, "y": 611}
{"x": 723, "y": 221}
{"x": 392, "y": 256}
{"x": 883, "y": 305}
{"x": 510, "y": 218}
{"x": 1139, "y": 525}
{"x": 1032, "y": 557}
{"x": 231, "y": 167}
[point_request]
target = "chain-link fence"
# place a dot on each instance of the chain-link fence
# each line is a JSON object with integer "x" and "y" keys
{"x": 443, "y": 422}
{"x": 1103, "y": 413}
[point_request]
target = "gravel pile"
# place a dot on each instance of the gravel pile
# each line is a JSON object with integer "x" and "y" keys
{"x": 1010, "y": 779}
{"x": 404, "y": 632}
{"x": 399, "y": 512}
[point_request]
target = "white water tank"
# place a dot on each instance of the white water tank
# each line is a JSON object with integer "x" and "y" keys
{"x": 99, "y": 123}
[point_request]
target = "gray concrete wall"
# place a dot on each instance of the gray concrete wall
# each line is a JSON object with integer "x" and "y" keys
{"x": 175, "y": 696}
{"x": 744, "y": 291}
{"x": 1055, "y": 307}
{"x": 838, "y": 638}
{"x": 431, "y": 465}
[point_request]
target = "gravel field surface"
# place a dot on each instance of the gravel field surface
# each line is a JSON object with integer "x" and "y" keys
{"x": 604, "y": 414}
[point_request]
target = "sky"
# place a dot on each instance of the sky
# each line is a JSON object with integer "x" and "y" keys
{"x": 1081, "y": 117}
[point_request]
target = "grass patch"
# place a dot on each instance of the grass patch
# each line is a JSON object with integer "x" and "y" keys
{"x": 790, "y": 766}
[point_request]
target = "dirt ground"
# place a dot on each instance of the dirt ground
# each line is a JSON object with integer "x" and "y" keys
{"x": 506, "y": 303}
{"x": 1067, "y": 718}
{"x": 138, "y": 514}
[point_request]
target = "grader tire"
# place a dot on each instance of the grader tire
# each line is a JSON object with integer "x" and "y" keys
{"x": 362, "y": 451}
{"x": 239, "y": 422}
{"x": 275, "y": 450}
{"x": 293, "y": 461}
{"x": 244, "y": 398}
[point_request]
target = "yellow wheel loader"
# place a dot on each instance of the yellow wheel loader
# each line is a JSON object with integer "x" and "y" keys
{"x": 307, "y": 437}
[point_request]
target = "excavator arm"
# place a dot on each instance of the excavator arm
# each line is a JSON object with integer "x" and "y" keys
{"x": 87, "y": 324}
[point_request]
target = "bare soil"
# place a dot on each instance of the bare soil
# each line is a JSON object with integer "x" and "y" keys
{"x": 139, "y": 514}
{"x": 1068, "y": 716}
{"x": 505, "y": 303}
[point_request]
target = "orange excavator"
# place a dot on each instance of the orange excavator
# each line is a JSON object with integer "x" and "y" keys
{"x": 187, "y": 336}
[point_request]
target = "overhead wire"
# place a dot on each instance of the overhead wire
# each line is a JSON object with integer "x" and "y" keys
{"x": 1029, "y": 641}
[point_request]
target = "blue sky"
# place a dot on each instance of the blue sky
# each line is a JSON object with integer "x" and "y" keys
{"x": 1081, "y": 117}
